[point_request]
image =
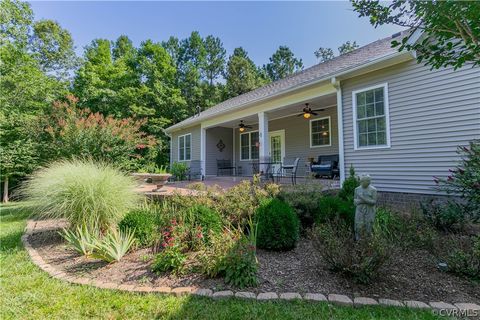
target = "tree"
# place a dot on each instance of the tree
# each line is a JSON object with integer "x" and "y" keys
{"x": 241, "y": 74}
{"x": 347, "y": 47}
{"x": 282, "y": 64}
{"x": 214, "y": 59}
{"x": 451, "y": 28}
{"x": 324, "y": 54}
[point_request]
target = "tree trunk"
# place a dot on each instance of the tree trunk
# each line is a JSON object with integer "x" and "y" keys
{"x": 5, "y": 190}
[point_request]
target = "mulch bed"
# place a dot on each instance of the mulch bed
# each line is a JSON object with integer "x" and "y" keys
{"x": 410, "y": 276}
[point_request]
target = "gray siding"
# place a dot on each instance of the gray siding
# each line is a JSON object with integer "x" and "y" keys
{"x": 195, "y": 132}
{"x": 213, "y": 136}
{"x": 431, "y": 113}
{"x": 297, "y": 139}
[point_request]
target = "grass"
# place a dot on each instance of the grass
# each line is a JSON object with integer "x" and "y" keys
{"x": 26, "y": 292}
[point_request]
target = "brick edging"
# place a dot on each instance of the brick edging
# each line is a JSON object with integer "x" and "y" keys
{"x": 337, "y": 299}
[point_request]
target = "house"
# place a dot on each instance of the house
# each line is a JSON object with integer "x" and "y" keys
{"x": 380, "y": 111}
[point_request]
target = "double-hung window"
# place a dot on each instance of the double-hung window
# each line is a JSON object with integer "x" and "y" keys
{"x": 320, "y": 132}
{"x": 249, "y": 145}
{"x": 371, "y": 121}
{"x": 185, "y": 147}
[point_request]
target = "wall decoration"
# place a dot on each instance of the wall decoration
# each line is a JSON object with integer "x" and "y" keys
{"x": 220, "y": 145}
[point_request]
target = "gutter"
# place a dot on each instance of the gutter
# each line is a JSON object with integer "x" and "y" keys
{"x": 328, "y": 77}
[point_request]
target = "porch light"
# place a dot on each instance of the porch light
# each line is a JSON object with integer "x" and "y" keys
{"x": 307, "y": 115}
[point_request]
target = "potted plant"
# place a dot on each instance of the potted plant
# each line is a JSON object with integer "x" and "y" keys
{"x": 154, "y": 175}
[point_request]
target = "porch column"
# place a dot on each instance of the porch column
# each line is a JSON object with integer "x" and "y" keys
{"x": 341, "y": 154}
{"x": 203, "y": 150}
{"x": 264, "y": 148}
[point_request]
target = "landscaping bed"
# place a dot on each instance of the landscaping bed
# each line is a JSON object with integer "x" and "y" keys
{"x": 409, "y": 276}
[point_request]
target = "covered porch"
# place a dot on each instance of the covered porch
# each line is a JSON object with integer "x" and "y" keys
{"x": 243, "y": 145}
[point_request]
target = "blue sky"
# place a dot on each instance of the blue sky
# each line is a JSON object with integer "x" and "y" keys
{"x": 260, "y": 27}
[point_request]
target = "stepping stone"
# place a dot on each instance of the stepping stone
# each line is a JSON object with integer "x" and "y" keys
{"x": 391, "y": 302}
{"x": 267, "y": 296}
{"x": 364, "y": 301}
{"x": 468, "y": 306}
{"x": 440, "y": 305}
{"x": 181, "y": 291}
{"x": 290, "y": 296}
{"x": 340, "y": 299}
{"x": 144, "y": 289}
{"x": 222, "y": 294}
{"x": 203, "y": 292}
{"x": 416, "y": 304}
{"x": 126, "y": 287}
{"x": 106, "y": 285}
{"x": 315, "y": 297}
{"x": 245, "y": 295}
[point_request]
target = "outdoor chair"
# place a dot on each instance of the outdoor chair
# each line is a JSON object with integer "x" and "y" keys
{"x": 288, "y": 170}
{"x": 326, "y": 166}
{"x": 195, "y": 170}
{"x": 225, "y": 165}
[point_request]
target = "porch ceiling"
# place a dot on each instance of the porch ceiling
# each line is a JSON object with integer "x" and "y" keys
{"x": 327, "y": 101}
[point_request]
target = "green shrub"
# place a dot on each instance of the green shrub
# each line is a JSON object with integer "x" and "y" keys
{"x": 179, "y": 170}
{"x": 334, "y": 207}
{"x": 347, "y": 192}
{"x": 361, "y": 260}
{"x": 205, "y": 220}
{"x": 113, "y": 246}
{"x": 461, "y": 253}
{"x": 305, "y": 200}
{"x": 445, "y": 216}
{"x": 170, "y": 259}
{"x": 277, "y": 225}
{"x": 83, "y": 192}
{"x": 144, "y": 225}
{"x": 240, "y": 264}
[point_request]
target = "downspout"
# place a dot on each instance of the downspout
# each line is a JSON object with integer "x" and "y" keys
{"x": 341, "y": 153}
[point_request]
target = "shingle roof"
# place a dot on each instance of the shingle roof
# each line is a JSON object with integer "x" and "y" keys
{"x": 358, "y": 57}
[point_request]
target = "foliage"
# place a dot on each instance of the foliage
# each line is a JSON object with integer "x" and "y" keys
{"x": 334, "y": 207}
{"x": 72, "y": 132}
{"x": 282, "y": 64}
{"x": 240, "y": 264}
{"x": 305, "y": 200}
{"x": 143, "y": 223}
{"x": 205, "y": 221}
{"x": 461, "y": 253}
{"x": 451, "y": 28}
{"x": 362, "y": 260}
{"x": 81, "y": 239}
{"x": 153, "y": 168}
{"x": 444, "y": 215}
{"x": 179, "y": 170}
{"x": 170, "y": 259}
{"x": 278, "y": 225}
{"x": 113, "y": 245}
{"x": 83, "y": 192}
{"x": 347, "y": 192}
{"x": 326, "y": 54}
{"x": 464, "y": 181}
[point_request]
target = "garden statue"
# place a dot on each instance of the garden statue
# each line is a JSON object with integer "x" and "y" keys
{"x": 365, "y": 200}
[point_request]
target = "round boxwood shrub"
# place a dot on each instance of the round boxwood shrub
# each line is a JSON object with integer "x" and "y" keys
{"x": 143, "y": 224}
{"x": 277, "y": 225}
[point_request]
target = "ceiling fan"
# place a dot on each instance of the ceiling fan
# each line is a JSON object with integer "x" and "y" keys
{"x": 242, "y": 126}
{"x": 307, "y": 112}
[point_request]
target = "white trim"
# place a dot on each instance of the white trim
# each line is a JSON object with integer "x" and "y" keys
{"x": 203, "y": 149}
{"x": 178, "y": 147}
{"x": 329, "y": 132}
{"x": 233, "y": 147}
{"x": 341, "y": 151}
{"x": 282, "y": 136}
{"x": 386, "y": 111}
{"x": 249, "y": 146}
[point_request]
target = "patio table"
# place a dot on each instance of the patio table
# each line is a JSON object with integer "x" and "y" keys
{"x": 267, "y": 173}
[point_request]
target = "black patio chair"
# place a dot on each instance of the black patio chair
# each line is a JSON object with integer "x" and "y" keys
{"x": 288, "y": 170}
{"x": 195, "y": 170}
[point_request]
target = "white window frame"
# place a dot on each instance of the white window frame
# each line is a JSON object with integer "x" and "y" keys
{"x": 329, "y": 132}
{"x": 386, "y": 107}
{"x": 178, "y": 142}
{"x": 249, "y": 145}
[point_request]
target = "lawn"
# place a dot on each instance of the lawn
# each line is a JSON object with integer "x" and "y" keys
{"x": 28, "y": 293}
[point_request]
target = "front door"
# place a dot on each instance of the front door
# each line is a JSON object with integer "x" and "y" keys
{"x": 277, "y": 148}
